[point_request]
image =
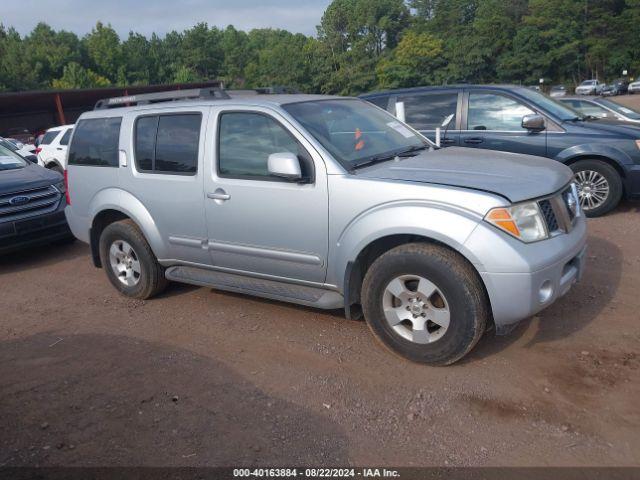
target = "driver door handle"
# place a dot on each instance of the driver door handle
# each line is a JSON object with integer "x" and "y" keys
{"x": 474, "y": 140}
{"x": 219, "y": 196}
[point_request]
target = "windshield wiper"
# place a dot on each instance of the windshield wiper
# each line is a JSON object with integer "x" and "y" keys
{"x": 385, "y": 157}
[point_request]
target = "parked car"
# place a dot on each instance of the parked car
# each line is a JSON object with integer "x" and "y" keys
{"x": 604, "y": 157}
{"x": 634, "y": 87}
{"x": 328, "y": 202}
{"x": 32, "y": 202}
{"x": 17, "y": 147}
{"x": 21, "y": 134}
{"x": 558, "y": 91}
{"x": 617, "y": 87}
{"x": 52, "y": 150}
{"x": 589, "y": 87}
{"x": 602, "y": 108}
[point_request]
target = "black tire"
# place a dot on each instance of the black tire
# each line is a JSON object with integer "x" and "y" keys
{"x": 152, "y": 280}
{"x": 454, "y": 277}
{"x": 56, "y": 168}
{"x": 613, "y": 178}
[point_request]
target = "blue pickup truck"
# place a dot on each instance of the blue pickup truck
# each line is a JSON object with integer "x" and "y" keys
{"x": 604, "y": 155}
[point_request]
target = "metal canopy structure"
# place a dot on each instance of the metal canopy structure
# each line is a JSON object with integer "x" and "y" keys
{"x": 38, "y": 110}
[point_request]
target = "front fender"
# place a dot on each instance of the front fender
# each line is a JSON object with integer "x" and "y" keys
{"x": 596, "y": 150}
{"x": 443, "y": 223}
{"x": 124, "y": 202}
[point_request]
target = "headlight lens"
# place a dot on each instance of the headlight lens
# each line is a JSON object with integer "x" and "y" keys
{"x": 523, "y": 221}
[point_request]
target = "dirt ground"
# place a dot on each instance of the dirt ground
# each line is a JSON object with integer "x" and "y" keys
{"x": 197, "y": 377}
{"x": 631, "y": 101}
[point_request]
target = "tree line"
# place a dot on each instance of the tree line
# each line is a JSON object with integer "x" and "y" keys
{"x": 361, "y": 45}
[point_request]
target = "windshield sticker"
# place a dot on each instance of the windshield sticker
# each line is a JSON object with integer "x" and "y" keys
{"x": 6, "y": 160}
{"x": 401, "y": 129}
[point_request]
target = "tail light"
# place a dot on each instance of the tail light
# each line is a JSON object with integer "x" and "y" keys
{"x": 66, "y": 187}
{"x": 38, "y": 150}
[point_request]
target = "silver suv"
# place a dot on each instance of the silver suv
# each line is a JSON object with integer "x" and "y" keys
{"x": 323, "y": 201}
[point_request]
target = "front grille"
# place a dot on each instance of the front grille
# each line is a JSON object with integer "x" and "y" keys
{"x": 549, "y": 215}
{"x": 40, "y": 201}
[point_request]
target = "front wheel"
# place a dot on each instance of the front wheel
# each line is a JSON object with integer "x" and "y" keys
{"x": 599, "y": 186}
{"x": 425, "y": 303}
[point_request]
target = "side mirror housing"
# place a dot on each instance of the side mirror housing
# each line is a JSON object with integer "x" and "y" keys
{"x": 533, "y": 122}
{"x": 284, "y": 165}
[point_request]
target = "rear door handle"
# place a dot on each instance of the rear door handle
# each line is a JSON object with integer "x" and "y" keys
{"x": 59, "y": 148}
{"x": 448, "y": 140}
{"x": 219, "y": 195}
{"x": 474, "y": 140}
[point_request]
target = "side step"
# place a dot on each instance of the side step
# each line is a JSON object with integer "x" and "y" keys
{"x": 272, "y": 289}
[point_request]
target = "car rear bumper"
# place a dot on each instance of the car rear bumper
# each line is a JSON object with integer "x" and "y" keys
{"x": 33, "y": 231}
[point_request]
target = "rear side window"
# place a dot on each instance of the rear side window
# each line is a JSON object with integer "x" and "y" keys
{"x": 49, "y": 137}
{"x": 168, "y": 143}
{"x": 96, "y": 142}
{"x": 428, "y": 111}
{"x": 65, "y": 138}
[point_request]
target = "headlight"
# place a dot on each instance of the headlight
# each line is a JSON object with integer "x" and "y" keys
{"x": 523, "y": 221}
{"x": 60, "y": 187}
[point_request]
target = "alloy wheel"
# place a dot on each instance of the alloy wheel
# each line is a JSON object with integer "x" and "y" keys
{"x": 593, "y": 189}
{"x": 416, "y": 309}
{"x": 125, "y": 263}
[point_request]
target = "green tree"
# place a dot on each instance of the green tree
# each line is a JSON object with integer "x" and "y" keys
{"x": 412, "y": 63}
{"x": 104, "y": 51}
{"x": 76, "y": 76}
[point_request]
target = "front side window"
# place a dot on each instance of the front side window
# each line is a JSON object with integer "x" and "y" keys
{"x": 488, "y": 111}
{"x": 168, "y": 143}
{"x": 65, "y": 138}
{"x": 96, "y": 142}
{"x": 354, "y": 131}
{"x": 245, "y": 141}
{"x": 427, "y": 112}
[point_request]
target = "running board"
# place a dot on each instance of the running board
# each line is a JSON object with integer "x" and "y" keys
{"x": 272, "y": 289}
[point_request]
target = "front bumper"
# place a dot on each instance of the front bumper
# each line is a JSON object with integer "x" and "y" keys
{"x": 37, "y": 230}
{"x": 547, "y": 270}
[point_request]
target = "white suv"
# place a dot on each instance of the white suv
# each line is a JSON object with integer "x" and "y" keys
{"x": 52, "y": 151}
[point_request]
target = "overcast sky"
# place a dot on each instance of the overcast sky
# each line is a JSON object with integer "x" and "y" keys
{"x": 162, "y": 16}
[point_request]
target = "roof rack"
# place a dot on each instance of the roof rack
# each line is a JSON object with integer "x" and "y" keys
{"x": 277, "y": 89}
{"x": 169, "y": 96}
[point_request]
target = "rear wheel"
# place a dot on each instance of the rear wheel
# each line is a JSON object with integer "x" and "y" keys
{"x": 425, "y": 303}
{"x": 129, "y": 262}
{"x": 599, "y": 186}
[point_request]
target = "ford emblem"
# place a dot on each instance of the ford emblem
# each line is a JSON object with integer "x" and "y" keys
{"x": 21, "y": 200}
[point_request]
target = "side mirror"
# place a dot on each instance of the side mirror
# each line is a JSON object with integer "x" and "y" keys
{"x": 533, "y": 122}
{"x": 284, "y": 165}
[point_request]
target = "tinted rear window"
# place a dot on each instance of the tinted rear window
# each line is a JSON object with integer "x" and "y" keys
{"x": 168, "y": 143}
{"x": 49, "y": 137}
{"x": 95, "y": 142}
{"x": 428, "y": 111}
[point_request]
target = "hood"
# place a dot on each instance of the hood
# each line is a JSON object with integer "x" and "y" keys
{"x": 514, "y": 176}
{"x": 29, "y": 177}
{"x": 610, "y": 126}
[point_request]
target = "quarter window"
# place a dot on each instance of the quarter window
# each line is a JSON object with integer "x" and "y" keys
{"x": 168, "y": 143}
{"x": 96, "y": 142}
{"x": 488, "y": 111}
{"x": 427, "y": 112}
{"x": 65, "y": 138}
{"x": 245, "y": 141}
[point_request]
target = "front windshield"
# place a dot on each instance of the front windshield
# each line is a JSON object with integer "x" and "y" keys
{"x": 354, "y": 131}
{"x": 616, "y": 107}
{"x": 9, "y": 160}
{"x": 7, "y": 144}
{"x": 555, "y": 108}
